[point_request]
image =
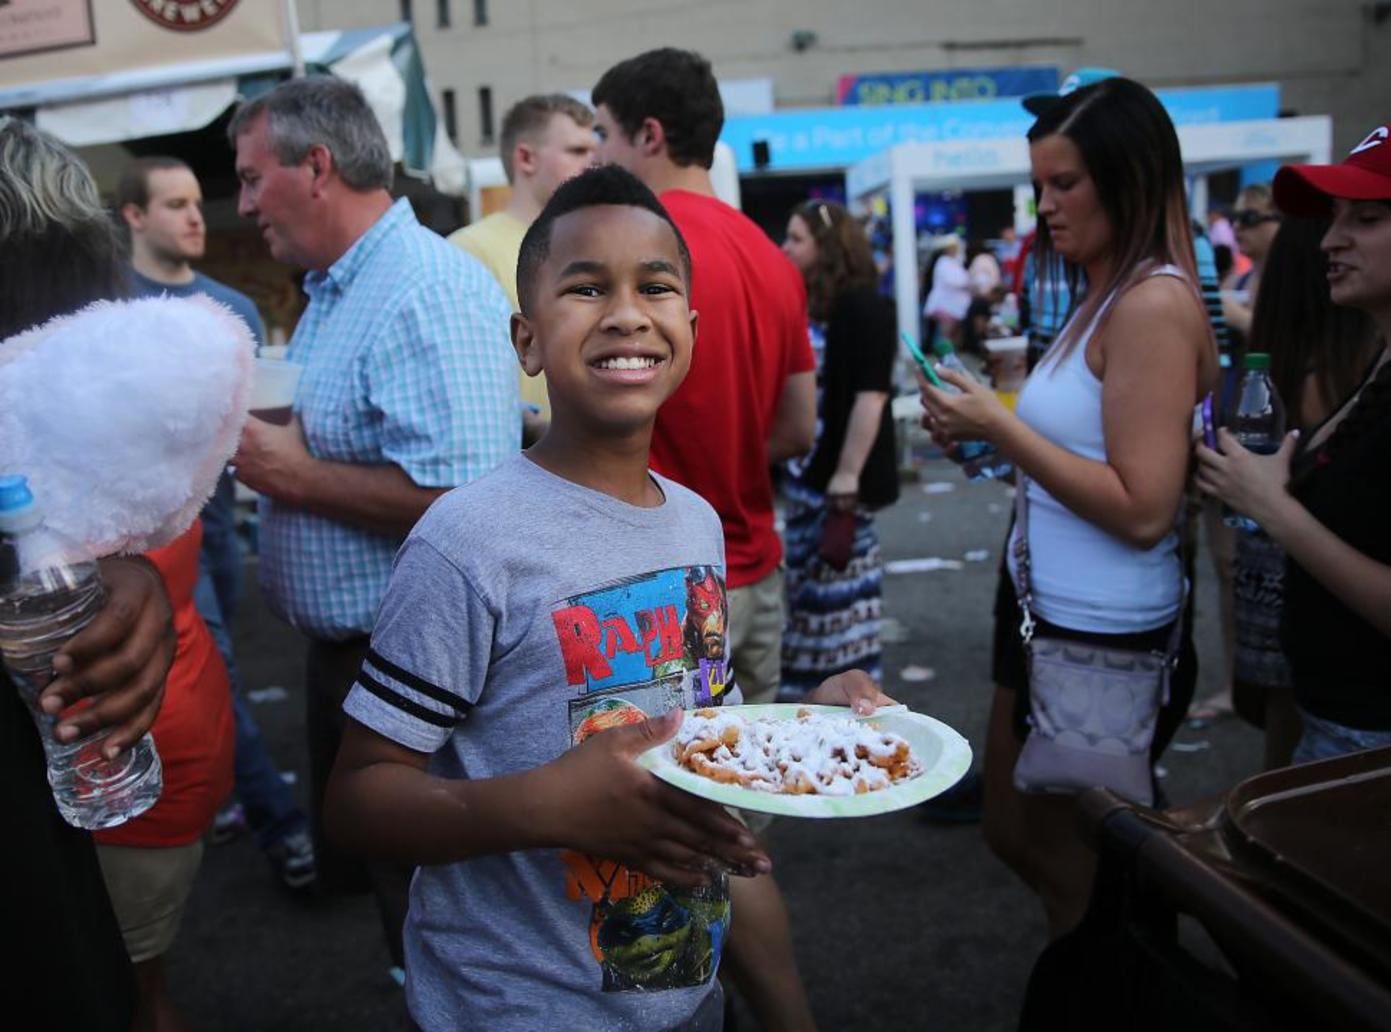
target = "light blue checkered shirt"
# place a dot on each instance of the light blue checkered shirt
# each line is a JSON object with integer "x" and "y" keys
{"x": 407, "y": 360}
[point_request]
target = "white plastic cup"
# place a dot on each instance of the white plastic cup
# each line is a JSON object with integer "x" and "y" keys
{"x": 273, "y": 386}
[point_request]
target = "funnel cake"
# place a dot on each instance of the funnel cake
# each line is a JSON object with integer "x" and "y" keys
{"x": 813, "y": 754}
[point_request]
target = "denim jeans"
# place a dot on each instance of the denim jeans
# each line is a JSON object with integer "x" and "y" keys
{"x": 331, "y": 668}
{"x": 270, "y": 808}
{"x": 1323, "y": 739}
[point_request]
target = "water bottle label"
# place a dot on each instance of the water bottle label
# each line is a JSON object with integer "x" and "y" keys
{"x": 972, "y": 450}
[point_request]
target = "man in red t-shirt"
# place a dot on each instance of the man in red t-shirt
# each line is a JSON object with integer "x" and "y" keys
{"x": 750, "y": 397}
{"x": 748, "y": 401}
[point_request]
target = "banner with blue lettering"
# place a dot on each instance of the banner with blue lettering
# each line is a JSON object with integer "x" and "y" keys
{"x": 946, "y": 84}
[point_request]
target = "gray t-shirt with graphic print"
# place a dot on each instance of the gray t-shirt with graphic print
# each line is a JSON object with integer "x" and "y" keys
{"x": 524, "y": 614}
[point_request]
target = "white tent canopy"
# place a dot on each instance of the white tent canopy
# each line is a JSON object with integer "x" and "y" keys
{"x": 989, "y": 164}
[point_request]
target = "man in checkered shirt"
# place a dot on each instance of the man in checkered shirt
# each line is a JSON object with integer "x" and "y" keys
{"x": 409, "y": 388}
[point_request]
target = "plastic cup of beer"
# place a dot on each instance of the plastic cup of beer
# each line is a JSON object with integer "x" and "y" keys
{"x": 1007, "y": 358}
{"x": 273, "y": 385}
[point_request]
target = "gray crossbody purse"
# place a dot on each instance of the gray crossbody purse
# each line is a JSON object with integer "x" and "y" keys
{"x": 1092, "y": 708}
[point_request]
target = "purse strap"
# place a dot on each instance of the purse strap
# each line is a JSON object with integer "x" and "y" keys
{"x": 1022, "y": 585}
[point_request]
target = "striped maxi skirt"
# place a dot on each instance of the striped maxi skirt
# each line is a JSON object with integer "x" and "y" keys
{"x": 833, "y": 615}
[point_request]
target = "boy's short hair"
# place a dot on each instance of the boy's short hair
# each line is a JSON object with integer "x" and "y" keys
{"x": 134, "y": 185}
{"x": 532, "y": 115}
{"x": 678, "y": 89}
{"x": 607, "y": 184}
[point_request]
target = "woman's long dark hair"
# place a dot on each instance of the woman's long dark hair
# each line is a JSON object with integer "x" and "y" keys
{"x": 1305, "y": 333}
{"x": 844, "y": 260}
{"x": 1131, "y": 151}
{"x": 59, "y": 249}
{"x": 1373, "y": 407}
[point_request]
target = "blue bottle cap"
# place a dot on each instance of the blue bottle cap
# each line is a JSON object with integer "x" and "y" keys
{"x": 15, "y": 493}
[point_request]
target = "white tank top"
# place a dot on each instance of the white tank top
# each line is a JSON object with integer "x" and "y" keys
{"x": 1084, "y": 578}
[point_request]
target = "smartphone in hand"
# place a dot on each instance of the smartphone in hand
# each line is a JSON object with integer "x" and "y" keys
{"x": 924, "y": 363}
{"x": 1209, "y": 428}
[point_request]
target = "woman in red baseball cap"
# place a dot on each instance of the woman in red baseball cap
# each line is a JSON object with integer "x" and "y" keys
{"x": 1327, "y": 499}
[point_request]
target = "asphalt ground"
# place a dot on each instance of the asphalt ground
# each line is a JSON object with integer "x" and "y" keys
{"x": 898, "y": 923}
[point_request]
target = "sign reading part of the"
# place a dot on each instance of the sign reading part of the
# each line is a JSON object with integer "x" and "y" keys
{"x": 838, "y": 137}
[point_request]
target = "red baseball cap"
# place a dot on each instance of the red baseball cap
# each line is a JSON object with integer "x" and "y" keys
{"x": 1364, "y": 175}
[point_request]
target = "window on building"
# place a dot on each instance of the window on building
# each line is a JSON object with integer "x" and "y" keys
{"x": 442, "y": 13}
{"x": 451, "y": 115}
{"x": 480, "y": 12}
{"x": 407, "y": 14}
{"x": 485, "y": 114}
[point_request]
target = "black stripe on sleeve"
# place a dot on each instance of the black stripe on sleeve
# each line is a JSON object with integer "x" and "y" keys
{"x": 396, "y": 699}
{"x": 416, "y": 682}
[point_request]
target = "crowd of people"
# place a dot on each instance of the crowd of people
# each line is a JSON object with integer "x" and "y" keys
{"x": 619, "y": 353}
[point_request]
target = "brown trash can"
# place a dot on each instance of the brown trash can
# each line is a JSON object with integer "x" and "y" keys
{"x": 1268, "y": 908}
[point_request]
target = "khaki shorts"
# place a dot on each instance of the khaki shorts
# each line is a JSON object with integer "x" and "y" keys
{"x": 148, "y": 889}
{"x": 756, "y": 614}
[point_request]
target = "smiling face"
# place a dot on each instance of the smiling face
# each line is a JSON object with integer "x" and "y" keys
{"x": 608, "y": 319}
{"x": 799, "y": 245}
{"x": 1068, "y": 202}
{"x": 277, "y": 196}
{"x": 171, "y": 224}
{"x": 1358, "y": 246}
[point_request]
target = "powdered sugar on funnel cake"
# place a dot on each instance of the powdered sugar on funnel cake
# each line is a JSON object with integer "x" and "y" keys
{"x": 815, "y": 754}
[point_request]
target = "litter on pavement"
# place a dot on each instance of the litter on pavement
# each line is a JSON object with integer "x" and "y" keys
{"x": 922, "y": 565}
{"x": 916, "y": 673}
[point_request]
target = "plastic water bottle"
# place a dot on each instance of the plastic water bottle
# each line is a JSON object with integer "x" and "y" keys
{"x": 979, "y": 459}
{"x": 44, "y": 601}
{"x": 1257, "y": 422}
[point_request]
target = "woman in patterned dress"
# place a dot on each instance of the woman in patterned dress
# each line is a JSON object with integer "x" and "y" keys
{"x": 834, "y": 571}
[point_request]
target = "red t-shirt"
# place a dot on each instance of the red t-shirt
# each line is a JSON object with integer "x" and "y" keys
{"x": 712, "y": 434}
{"x": 193, "y": 733}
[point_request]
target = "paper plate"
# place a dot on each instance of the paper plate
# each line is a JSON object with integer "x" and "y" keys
{"x": 945, "y": 757}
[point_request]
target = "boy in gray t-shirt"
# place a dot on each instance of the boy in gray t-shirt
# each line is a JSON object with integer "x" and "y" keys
{"x": 568, "y": 592}
{"x": 525, "y": 614}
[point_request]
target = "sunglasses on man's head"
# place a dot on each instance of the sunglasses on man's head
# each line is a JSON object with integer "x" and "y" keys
{"x": 1248, "y": 218}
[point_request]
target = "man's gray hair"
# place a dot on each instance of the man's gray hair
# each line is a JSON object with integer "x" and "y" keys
{"x": 42, "y": 183}
{"x": 321, "y": 110}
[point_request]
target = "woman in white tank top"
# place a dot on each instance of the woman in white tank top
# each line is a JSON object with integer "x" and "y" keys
{"x": 1101, "y": 434}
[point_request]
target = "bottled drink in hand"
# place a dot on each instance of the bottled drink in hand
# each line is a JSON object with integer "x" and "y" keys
{"x": 44, "y": 601}
{"x": 1257, "y": 422}
{"x": 979, "y": 459}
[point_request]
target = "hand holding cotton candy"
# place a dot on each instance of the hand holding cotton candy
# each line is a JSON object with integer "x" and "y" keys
{"x": 123, "y": 414}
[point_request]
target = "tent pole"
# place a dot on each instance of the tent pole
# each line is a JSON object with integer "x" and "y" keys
{"x": 905, "y": 229}
{"x": 291, "y": 23}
